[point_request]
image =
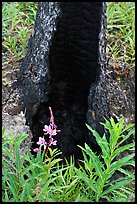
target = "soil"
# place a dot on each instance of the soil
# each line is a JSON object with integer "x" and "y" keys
{"x": 13, "y": 118}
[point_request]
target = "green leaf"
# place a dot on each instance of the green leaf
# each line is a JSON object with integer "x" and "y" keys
{"x": 127, "y": 173}
{"x": 10, "y": 164}
{"x": 8, "y": 153}
{"x": 113, "y": 124}
{"x": 18, "y": 161}
{"x": 73, "y": 182}
{"x": 101, "y": 141}
{"x": 127, "y": 136}
{"x": 87, "y": 162}
{"x": 13, "y": 185}
{"x": 77, "y": 198}
{"x": 62, "y": 169}
{"x": 121, "y": 162}
{"x": 84, "y": 177}
{"x": 121, "y": 149}
{"x": 6, "y": 197}
{"x": 20, "y": 140}
{"x": 121, "y": 123}
{"x": 128, "y": 127}
{"x": 54, "y": 162}
{"x": 23, "y": 193}
{"x": 104, "y": 146}
{"x": 132, "y": 163}
{"x": 3, "y": 131}
{"x": 96, "y": 161}
{"x": 116, "y": 186}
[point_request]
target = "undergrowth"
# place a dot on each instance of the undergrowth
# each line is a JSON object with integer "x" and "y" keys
{"x": 17, "y": 26}
{"x": 29, "y": 179}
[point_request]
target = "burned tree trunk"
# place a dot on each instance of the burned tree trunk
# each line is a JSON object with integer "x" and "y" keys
{"x": 64, "y": 68}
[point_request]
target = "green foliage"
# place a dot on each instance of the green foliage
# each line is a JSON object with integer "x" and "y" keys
{"x": 29, "y": 179}
{"x": 17, "y": 24}
{"x": 121, "y": 33}
{"x": 104, "y": 171}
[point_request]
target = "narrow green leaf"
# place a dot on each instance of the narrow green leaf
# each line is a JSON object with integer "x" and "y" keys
{"x": 62, "y": 178}
{"x": 20, "y": 140}
{"x": 108, "y": 183}
{"x": 121, "y": 149}
{"x": 116, "y": 186}
{"x": 23, "y": 193}
{"x": 13, "y": 185}
{"x": 113, "y": 124}
{"x": 62, "y": 169}
{"x": 132, "y": 163}
{"x": 84, "y": 177}
{"x": 54, "y": 162}
{"x": 121, "y": 123}
{"x": 77, "y": 198}
{"x": 6, "y": 198}
{"x": 96, "y": 162}
{"x": 3, "y": 131}
{"x": 85, "y": 157}
{"x": 121, "y": 162}
{"x": 127, "y": 173}
{"x": 101, "y": 141}
{"x": 128, "y": 127}
{"x": 107, "y": 124}
{"x": 10, "y": 163}
{"x": 104, "y": 146}
{"x": 8, "y": 153}
{"x": 18, "y": 161}
{"x": 73, "y": 182}
{"x": 127, "y": 136}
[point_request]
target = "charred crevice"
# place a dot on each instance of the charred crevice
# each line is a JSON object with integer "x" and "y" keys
{"x": 73, "y": 69}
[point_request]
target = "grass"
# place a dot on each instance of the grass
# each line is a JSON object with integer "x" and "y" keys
{"x": 17, "y": 26}
{"x": 121, "y": 35}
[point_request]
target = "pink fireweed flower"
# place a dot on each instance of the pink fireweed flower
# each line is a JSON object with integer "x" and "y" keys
{"x": 53, "y": 142}
{"x": 42, "y": 142}
{"x": 49, "y": 130}
{"x": 36, "y": 150}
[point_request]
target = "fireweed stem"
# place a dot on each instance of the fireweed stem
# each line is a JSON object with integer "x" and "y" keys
{"x": 47, "y": 148}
